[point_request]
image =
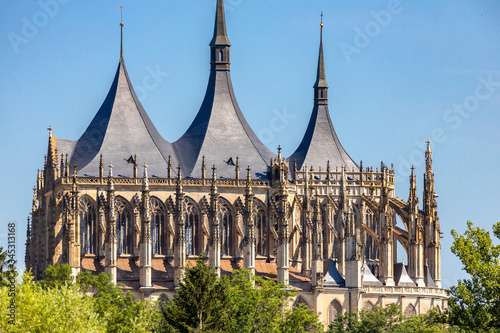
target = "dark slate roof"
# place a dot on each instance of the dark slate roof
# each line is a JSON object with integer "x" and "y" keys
{"x": 401, "y": 277}
{"x": 120, "y": 129}
{"x": 220, "y": 132}
{"x": 429, "y": 281}
{"x": 320, "y": 143}
{"x": 220, "y": 34}
{"x": 368, "y": 278}
{"x": 332, "y": 277}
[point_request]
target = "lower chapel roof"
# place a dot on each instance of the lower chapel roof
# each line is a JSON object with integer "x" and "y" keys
{"x": 163, "y": 270}
{"x": 219, "y": 135}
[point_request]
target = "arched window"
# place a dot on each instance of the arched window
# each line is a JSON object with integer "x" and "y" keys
{"x": 191, "y": 227}
{"x": 157, "y": 224}
{"x": 221, "y": 55}
{"x": 260, "y": 220}
{"x": 368, "y": 306}
{"x": 123, "y": 226}
{"x": 88, "y": 226}
{"x": 410, "y": 311}
{"x": 334, "y": 309}
{"x": 226, "y": 227}
{"x": 299, "y": 302}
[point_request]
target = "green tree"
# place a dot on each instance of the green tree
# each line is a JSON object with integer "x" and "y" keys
{"x": 390, "y": 319}
{"x": 244, "y": 303}
{"x": 57, "y": 276}
{"x": 117, "y": 308}
{"x": 40, "y": 310}
{"x": 475, "y": 302}
{"x": 259, "y": 305}
{"x": 200, "y": 304}
{"x": 3, "y": 268}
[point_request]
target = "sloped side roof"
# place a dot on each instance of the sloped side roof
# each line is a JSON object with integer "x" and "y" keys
{"x": 321, "y": 144}
{"x": 368, "y": 278}
{"x": 220, "y": 132}
{"x": 120, "y": 129}
{"x": 332, "y": 277}
{"x": 401, "y": 277}
{"x": 429, "y": 281}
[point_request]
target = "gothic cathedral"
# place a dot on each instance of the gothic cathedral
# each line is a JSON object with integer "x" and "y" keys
{"x": 123, "y": 200}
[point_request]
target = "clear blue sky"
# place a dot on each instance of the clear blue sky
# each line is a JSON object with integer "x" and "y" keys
{"x": 399, "y": 72}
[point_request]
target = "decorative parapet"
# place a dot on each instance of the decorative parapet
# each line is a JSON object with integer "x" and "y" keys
{"x": 124, "y": 181}
{"x": 402, "y": 291}
{"x": 354, "y": 178}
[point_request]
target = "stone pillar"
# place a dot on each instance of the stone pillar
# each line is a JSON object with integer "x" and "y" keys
{"x": 145, "y": 255}
{"x": 74, "y": 252}
{"x": 354, "y": 258}
{"x": 214, "y": 252}
{"x": 415, "y": 236}
{"x": 317, "y": 265}
{"x": 110, "y": 259}
{"x": 180, "y": 232}
{"x": 386, "y": 233}
{"x": 249, "y": 240}
{"x": 279, "y": 198}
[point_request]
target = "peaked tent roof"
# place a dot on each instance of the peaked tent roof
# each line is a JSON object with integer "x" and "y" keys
{"x": 120, "y": 129}
{"x": 320, "y": 143}
{"x": 332, "y": 277}
{"x": 401, "y": 276}
{"x": 220, "y": 131}
{"x": 368, "y": 278}
{"x": 429, "y": 281}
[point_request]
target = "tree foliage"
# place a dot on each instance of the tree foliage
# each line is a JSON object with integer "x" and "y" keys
{"x": 475, "y": 302}
{"x": 389, "y": 319}
{"x": 200, "y": 304}
{"x": 3, "y": 268}
{"x": 41, "y": 309}
{"x": 244, "y": 303}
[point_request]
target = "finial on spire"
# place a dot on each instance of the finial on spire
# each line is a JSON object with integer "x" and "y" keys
{"x": 214, "y": 175}
{"x": 111, "y": 169}
{"x": 279, "y": 152}
{"x": 220, "y": 34}
{"x": 428, "y": 144}
{"x": 121, "y": 31}
{"x": 320, "y": 86}
{"x": 50, "y": 128}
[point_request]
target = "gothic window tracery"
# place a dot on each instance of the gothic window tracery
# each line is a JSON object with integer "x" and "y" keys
{"x": 157, "y": 226}
{"x": 410, "y": 311}
{"x": 368, "y": 306}
{"x": 226, "y": 227}
{"x": 191, "y": 220}
{"x": 123, "y": 226}
{"x": 260, "y": 218}
{"x": 299, "y": 302}
{"x": 334, "y": 309}
{"x": 88, "y": 225}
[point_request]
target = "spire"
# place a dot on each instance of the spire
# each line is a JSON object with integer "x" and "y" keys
{"x": 121, "y": 30}
{"x": 320, "y": 86}
{"x": 208, "y": 134}
{"x": 428, "y": 157}
{"x": 220, "y": 34}
{"x": 219, "y": 46}
{"x": 320, "y": 143}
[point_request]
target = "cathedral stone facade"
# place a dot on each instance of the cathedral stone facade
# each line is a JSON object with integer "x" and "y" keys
{"x": 123, "y": 200}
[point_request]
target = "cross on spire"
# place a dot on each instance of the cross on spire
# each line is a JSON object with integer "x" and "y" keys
{"x": 121, "y": 31}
